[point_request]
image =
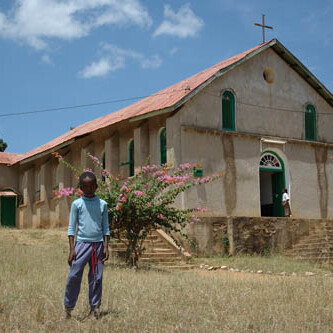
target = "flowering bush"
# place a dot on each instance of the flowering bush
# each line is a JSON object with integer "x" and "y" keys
{"x": 145, "y": 202}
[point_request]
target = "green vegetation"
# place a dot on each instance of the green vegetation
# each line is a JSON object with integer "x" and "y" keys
{"x": 3, "y": 145}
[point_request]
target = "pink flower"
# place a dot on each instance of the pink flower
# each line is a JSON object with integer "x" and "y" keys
{"x": 185, "y": 166}
{"x": 65, "y": 192}
{"x": 124, "y": 188}
{"x": 191, "y": 223}
{"x": 148, "y": 204}
{"x": 202, "y": 210}
{"x": 138, "y": 193}
{"x": 118, "y": 206}
{"x": 95, "y": 159}
{"x": 122, "y": 198}
{"x": 158, "y": 173}
{"x": 105, "y": 173}
{"x": 161, "y": 216}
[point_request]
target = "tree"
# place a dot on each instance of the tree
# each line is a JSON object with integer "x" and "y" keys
{"x": 145, "y": 202}
{"x": 3, "y": 145}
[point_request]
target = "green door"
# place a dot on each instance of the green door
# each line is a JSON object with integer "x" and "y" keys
{"x": 277, "y": 187}
{"x": 8, "y": 211}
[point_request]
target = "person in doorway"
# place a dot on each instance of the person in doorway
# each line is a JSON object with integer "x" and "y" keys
{"x": 89, "y": 218}
{"x": 286, "y": 203}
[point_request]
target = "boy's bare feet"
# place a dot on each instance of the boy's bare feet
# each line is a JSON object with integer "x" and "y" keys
{"x": 93, "y": 314}
{"x": 67, "y": 315}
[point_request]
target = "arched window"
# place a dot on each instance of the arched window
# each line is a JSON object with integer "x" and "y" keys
{"x": 131, "y": 158}
{"x": 310, "y": 123}
{"x": 163, "y": 146}
{"x": 270, "y": 161}
{"x": 228, "y": 111}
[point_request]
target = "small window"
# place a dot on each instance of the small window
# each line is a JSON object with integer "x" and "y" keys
{"x": 228, "y": 111}
{"x": 131, "y": 158}
{"x": 310, "y": 123}
{"x": 163, "y": 146}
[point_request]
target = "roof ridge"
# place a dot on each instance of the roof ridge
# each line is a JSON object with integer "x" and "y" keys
{"x": 153, "y": 102}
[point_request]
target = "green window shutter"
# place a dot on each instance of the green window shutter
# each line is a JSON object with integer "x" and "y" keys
{"x": 228, "y": 111}
{"x": 163, "y": 146}
{"x": 103, "y": 166}
{"x": 8, "y": 211}
{"x": 131, "y": 158}
{"x": 310, "y": 123}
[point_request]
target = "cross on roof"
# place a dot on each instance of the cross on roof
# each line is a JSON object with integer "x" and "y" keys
{"x": 263, "y": 27}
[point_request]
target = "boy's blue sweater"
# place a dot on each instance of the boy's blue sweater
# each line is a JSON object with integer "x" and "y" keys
{"x": 90, "y": 216}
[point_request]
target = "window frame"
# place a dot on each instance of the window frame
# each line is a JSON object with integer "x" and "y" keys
{"x": 230, "y": 94}
{"x": 130, "y": 157}
{"x": 165, "y": 159}
{"x": 307, "y": 135}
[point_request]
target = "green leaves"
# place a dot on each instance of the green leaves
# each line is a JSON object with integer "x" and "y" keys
{"x": 146, "y": 201}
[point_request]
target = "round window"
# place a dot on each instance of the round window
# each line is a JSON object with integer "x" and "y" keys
{"x": 269, "y": 75}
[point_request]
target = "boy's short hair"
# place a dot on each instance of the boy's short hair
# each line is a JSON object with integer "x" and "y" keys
{"x": 87, "y": 174}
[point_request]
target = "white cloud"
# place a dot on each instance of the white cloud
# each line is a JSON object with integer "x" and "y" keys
{"x": 98, "y": 68}
{"x": 151, "y": 62}
{"x": 115, "y": 58}
{"x": 46, "y": 59}
{"x": 35, "y": 21}
{"x": 183, "y": 23}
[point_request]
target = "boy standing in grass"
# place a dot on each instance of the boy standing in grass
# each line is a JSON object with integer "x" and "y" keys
{"x": 89, "y": 217}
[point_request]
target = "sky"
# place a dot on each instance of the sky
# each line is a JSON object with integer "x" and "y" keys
{"x": 66, "y": 53}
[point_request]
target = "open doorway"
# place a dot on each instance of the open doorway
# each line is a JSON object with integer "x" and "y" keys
{"x": 8, "y": 208}
{"x": 272, "y": 181}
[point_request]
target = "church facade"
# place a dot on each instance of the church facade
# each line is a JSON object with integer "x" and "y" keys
{"x": 260, "y": 117}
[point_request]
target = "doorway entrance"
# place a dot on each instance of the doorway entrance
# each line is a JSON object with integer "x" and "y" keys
{"x": 272, "y": 182}
{"x": 8, "y": 209}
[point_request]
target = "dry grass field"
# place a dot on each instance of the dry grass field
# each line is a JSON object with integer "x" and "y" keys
{"x": 34, "y": 269}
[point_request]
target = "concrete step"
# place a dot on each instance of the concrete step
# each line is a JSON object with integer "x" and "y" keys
{"x": 322, "y": 248}
{"x": 312, "y": 253}
{"x": 316, "y": 241}
{"x": 179, "y": 267}
{"x": 318, "y": 259}
{"x": 160, "y": 255}
{"x": 160, "y": 260}
{"x": 314, "y": 245}
{"x": 158, "y": 252}
{"x": 309, "y": 251}
{"x": 315, "y": 237}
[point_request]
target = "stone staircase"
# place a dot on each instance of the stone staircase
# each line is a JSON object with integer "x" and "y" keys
{"x": 160, "y": 250}
{"x": 316, "y": 246}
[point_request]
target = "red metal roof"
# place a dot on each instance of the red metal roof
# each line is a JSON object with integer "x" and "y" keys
{"x": 9, "y": 158}
{"x": 161, "y": 100}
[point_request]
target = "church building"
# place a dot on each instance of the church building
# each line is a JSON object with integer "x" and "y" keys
{"x": 261, "y": 117}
